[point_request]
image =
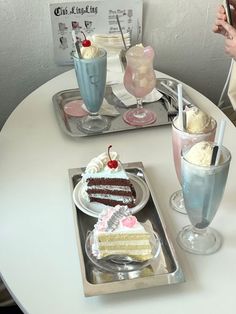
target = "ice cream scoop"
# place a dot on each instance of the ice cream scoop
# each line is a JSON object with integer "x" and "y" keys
{"x": 201, "y": 154}
{"x": 90, "y": 52}
{"x": 197, "y": 121}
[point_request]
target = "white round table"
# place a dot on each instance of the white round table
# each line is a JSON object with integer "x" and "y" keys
{"x": 39, "y": 260}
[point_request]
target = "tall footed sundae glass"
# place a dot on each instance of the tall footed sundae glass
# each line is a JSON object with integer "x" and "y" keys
{"x": 203, "y": 188}
{"x": 139, "y": 80}
{"x": 91, "y": 69}
{"x": 199, "y": 127}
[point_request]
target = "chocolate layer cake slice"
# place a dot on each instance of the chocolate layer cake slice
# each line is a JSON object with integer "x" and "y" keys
{"x": 107, "y": 182}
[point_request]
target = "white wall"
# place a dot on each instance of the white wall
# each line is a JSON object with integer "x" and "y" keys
{"x": 181, "y": 33}
{"x": 179, "y": 30}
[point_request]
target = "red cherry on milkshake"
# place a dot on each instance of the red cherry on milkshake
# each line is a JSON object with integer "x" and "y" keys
{"x": 113, "y": 164}
{"x": 86, "y": 42}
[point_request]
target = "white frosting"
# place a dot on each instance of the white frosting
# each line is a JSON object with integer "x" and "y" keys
{"x": 122, "y": 229}
{"x": 105, "y": 173}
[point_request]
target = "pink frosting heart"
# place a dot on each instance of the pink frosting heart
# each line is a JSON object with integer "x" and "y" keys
{"x": 129, "y": 222}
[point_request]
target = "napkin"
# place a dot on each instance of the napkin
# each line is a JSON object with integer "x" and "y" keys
{"x": 128, "y": 100}
{"x": 113, "y": 43}
{"x": 106, "y": 109}
{"x": 114, "y": 46}
{"x": 115, "y": 69}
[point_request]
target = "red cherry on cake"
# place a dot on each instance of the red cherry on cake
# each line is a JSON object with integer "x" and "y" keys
{"x": 113, "y": 164}
{"x": 86, "y": 42}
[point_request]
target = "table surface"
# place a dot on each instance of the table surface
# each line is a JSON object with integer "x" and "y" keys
{"x": 39, "y": 259}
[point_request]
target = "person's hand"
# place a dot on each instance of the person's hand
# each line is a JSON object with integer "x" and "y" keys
{"x": 220, "y": 16}
{"x": 230, "y": 38}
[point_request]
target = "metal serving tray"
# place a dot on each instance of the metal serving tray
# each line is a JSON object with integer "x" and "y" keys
{"x": 164, "y": 109}
{"x": 163, "y": 270}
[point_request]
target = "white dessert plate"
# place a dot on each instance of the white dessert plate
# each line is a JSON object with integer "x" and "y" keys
{"x": 94, "y": 209}
{"x": 119, "y": 263}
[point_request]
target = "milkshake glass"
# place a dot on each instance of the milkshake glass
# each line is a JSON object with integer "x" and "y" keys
{"x": 91, "y": 78}
{"x": 139, "y": 80}
{"x": 203, "y": 189}
{"x": 181, "y": 139}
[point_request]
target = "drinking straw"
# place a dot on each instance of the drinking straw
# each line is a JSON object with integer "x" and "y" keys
{"x": 219, "y": 141}
{"x": 174, "y": 92}
{"x": 118, "y": 22}
{"x": 184, "y": 119}
{"x": 180, "y": 106}
{"x": 214, "y": 162}
{"x": 76, "y": 44}
{"x": 214, "y": 154}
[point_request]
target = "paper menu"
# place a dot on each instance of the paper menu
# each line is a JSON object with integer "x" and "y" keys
{"x": 92, "y": 17}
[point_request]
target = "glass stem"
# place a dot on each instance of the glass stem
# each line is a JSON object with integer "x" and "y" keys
{"x": 139, "y": 103}
{"x": 199, "y": 231}
{"x": 93, "y": 114}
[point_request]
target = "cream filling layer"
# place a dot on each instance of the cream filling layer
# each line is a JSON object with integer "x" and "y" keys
{"x": 127, "y": 252}
{"x": 126, "y": 243}
{"x": 109, "y": 187}
{"x": 119, "y": 198}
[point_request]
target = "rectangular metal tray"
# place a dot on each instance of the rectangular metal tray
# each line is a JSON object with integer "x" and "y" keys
{"x": 69, "y": 124}
{"x": 164, "y": 270}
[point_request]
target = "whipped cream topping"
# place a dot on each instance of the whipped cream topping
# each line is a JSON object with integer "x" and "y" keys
{"x": 117, "y": 218}
{"x": 90, "y": 52}
{"x": 99, "y": 163}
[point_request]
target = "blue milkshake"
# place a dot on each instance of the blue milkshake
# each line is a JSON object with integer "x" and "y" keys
{"x": 91, "y": 77}
{"x": 203, "y": 188}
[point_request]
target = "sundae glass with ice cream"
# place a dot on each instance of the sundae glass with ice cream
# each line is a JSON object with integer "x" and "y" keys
{"x": 90, "y": 64}
{"x": 139, "y": 80}
{"x": 198, "y": 127}
{"x": 203, "y": 183}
